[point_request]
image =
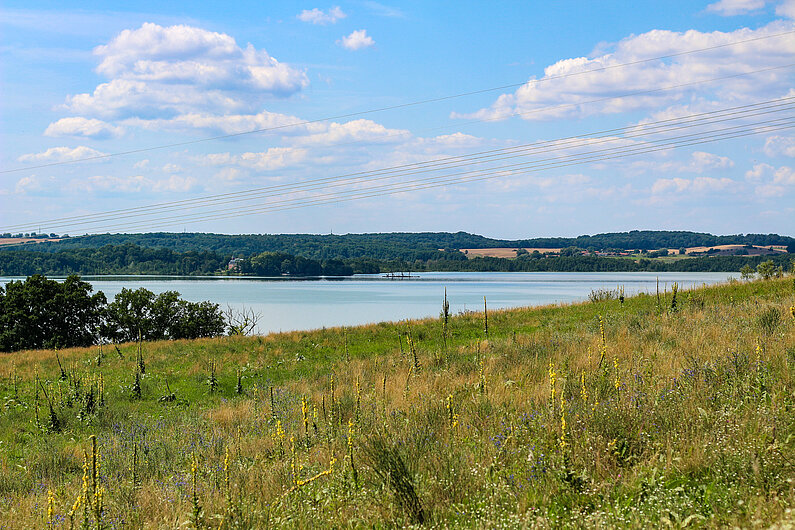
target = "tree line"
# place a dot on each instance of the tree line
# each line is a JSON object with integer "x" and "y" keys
{"x": 42, "y": 313}
{"x": 134, "y": 259}
{"x": 404, "y": 246}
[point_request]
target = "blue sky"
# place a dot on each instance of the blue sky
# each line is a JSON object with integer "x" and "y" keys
{"x": 94, "y": 78}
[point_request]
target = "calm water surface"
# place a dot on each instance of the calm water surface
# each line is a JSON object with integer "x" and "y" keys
{"x": 286, "y": 305}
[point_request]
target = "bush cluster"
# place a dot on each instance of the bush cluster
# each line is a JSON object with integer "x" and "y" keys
{"x": 43, "y": 313}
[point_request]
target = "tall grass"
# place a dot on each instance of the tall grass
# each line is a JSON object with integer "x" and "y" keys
{"x": 684, "y": 418}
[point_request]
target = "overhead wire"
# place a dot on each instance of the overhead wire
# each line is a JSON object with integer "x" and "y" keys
{"x": 393, "y": 189}
{"x": 552, "y": 148}
{"x": 536, "y": 165}
{"x": 748, "y": 110}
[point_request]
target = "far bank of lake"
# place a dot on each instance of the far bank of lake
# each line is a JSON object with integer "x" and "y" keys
{"x": 295, "y": 304}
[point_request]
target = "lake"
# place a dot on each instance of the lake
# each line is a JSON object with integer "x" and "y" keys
{"x": 293, "y": 304}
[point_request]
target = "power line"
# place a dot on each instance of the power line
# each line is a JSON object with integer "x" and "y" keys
{"x": 395, "y": 107}
{"x": 393, "y": 189}
{"x": 441, "y": 180}
{"x": 555, "y": 145}
{"x": 749, "y": 110}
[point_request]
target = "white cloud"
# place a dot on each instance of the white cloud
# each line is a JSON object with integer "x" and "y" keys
{"x": 178, "y": 69}
{"x": 786, "y": 9}
{"x": 229, "y": 174}
{"x": 729, "y": 8}
{"x": 26, "y": 184}
{"x": 271, "y": 159}
{"x": 89, "y": 128}
{"x": 353, "y": 131}
{"x": 61, "y": 154}
{"x": 758, "y": 172}
{"x": 771, "y": 181}
{"x": 701, "y": 161}
{"x": 317, "y": 16}
{"x": 697, "y": 185}
{"x": 225, "y": 124}
{"x": 357, "y": 40}
{"x": 132, "y": 184}
{"x": 785, "y": 176}
{"x": 780, "y": 145}
{"x": 569, "y": 85}
{"x": 383, "y": 10}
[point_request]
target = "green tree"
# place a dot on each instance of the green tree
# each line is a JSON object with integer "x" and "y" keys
{"x": 42, "y": 313}
{"x": 746, "y": 272}
{"x": 197, "y": 319}
{"x": 139, "y": 312}
{"x": 130, "y": 316}
{"x": 766, "y": 270}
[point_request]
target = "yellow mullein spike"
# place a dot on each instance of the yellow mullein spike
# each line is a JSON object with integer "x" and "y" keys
{"x": 305, "y": 414}
{"x": 563, "y": 442}
{"x": 617, "y": 382}
{"x": 603, "y": 349}
{"x": 50, "y": 505}
{"x": 226, "y": 472}
{"x": 552, "y": 377}
{"x": 583, "y": 390}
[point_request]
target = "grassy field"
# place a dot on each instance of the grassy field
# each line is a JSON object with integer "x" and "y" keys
{"x": 671, "y": 410}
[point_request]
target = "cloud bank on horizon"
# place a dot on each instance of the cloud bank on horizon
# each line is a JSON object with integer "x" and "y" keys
{"x": 169, "y": 80}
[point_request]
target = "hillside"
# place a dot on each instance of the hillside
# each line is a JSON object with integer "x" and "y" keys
{"x": 669, "y": 410}
{"x": 402, "y": 246}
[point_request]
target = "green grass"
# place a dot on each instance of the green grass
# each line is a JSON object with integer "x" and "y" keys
{"x": 687, "y": 421}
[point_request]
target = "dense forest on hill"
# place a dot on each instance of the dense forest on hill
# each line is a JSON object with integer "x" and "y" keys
{"x": 408, "y": 247}
{"x": 133, "y": 259}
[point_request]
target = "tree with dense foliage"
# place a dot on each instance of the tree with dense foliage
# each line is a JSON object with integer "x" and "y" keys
{"x": 140, "y": 313}
{"x": 766, "y": 269}
{"x": 42, "y": 313}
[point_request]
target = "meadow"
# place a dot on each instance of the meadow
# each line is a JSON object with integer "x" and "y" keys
{"x": 666, "y": 410}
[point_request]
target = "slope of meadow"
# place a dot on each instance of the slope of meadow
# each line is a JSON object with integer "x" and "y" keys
{"x": 653, "y": 411}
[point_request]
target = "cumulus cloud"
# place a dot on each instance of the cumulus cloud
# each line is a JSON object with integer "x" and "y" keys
{"x": 701, "y": 161}
{"x": 353, "y": 131}
{"x": 356, "y": 41}
{"x": 786, "y": 9}
{"x": 758, "y": 171}
{"x": 225, "y": 124}
{"x": 156, "y": 70}
{"x": 697, "y": 185}
{"x": 131, "y": 184}
{"x": 569, "y": 86}
{"x": 780, "y": 145}
{"x": 61, "y": 154}
{"x": 271, "y": 159}
{"x": 770, "y": 181}
{"x": 318, "y": 17}
{"x": 78, "y": 126}
{"x": 28, "y": 184}
{"x": 729, "y": 8}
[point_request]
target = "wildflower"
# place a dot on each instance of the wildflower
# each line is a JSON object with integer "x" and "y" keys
{"x": 50, "y": 505}
{"x": 583, "y": 390}
{"x": 603, "y": 349}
